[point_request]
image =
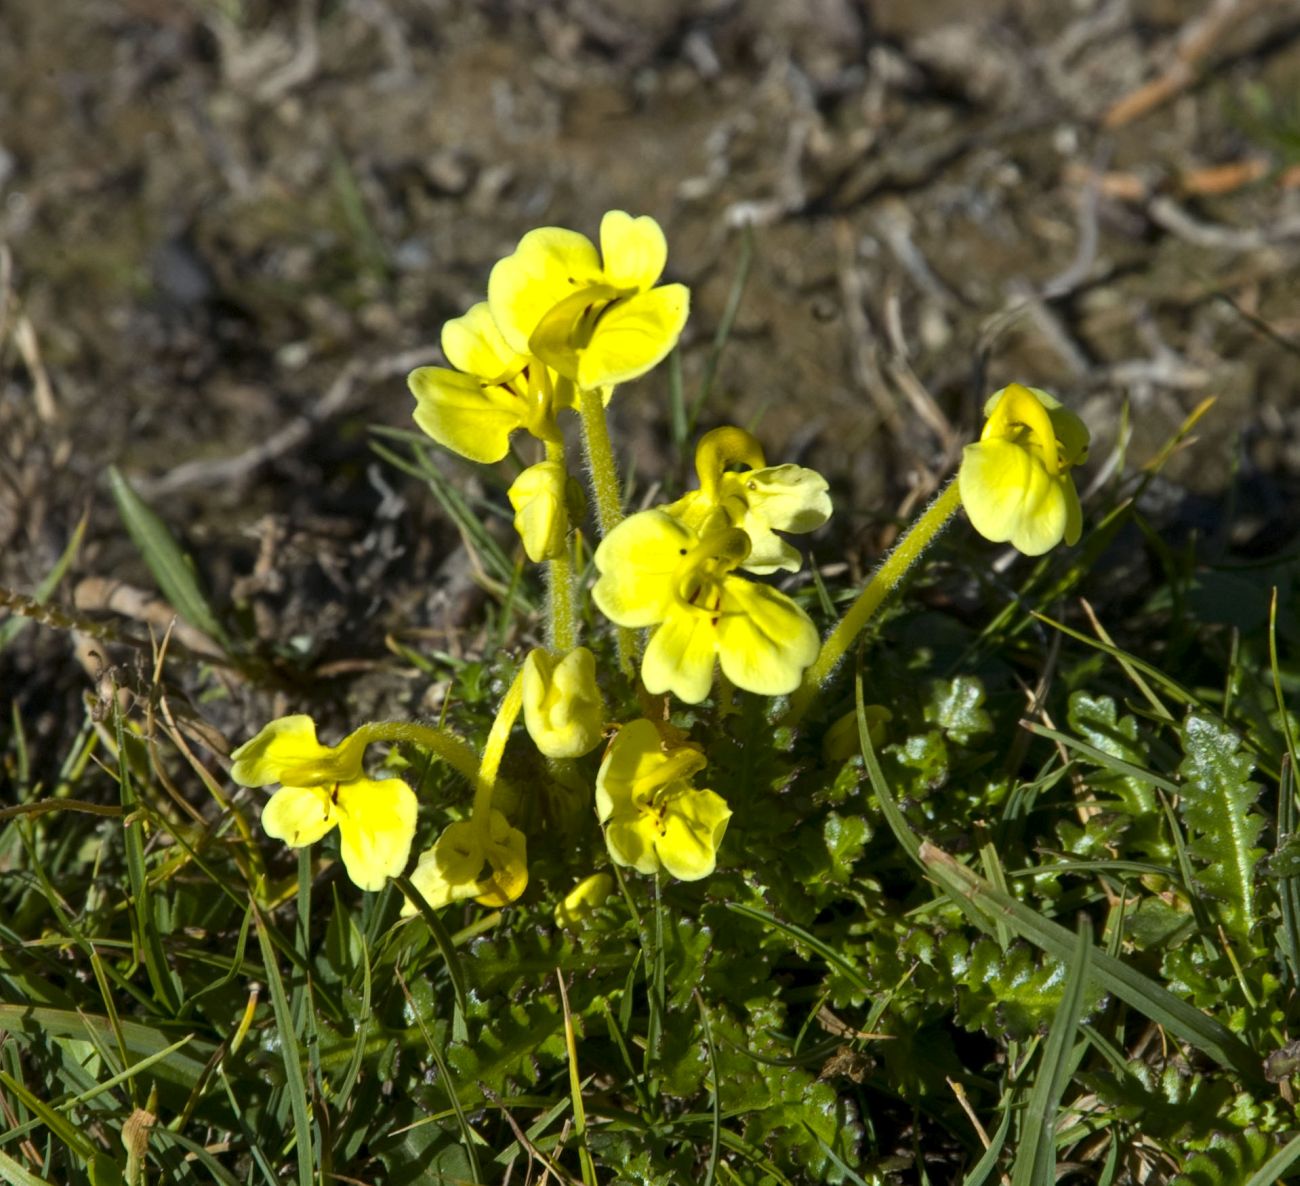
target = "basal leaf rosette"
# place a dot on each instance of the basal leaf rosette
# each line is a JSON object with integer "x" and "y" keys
{"x": 1015, "y": 480}
{"x": 654, "y": 816}
{"x": 657, "y": 572}
{"x": 596, "y": 317}
{"x": 323, "y": 788}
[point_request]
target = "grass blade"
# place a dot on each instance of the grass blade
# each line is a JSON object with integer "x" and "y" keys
{"x": 295, "y": 1083}
{"x": 1036, "y": 1158}
{"x": 171, "y": 567}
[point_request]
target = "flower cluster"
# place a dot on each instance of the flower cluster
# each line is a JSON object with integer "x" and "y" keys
{"x": 688, "y": 584}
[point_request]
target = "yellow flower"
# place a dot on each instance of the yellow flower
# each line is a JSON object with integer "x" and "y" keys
{"x": 541, "y": 515}
{"x": 596, "y": 318}
{"x": 583, "y": 898}
{"x": 563, "y": 709}
{"x": 323, "y": 788}
{"x": 761, "y": 501}
{"x": 652, "y": 814}
{"x": 463, "y": 863}
{"x": 493, "y": 391}
{"x": 1015, "y": 481}
{"x": 656, "y": 571}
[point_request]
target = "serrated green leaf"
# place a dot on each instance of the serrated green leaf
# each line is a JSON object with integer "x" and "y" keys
{"x": 979, "y": 899}
{"x": 1227, "y": 1160}
{"x": 1008, "y": 994}
{"x": 1217, "y": 804}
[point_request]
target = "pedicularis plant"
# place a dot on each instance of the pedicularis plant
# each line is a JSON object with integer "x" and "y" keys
{"x": 563, "y": 327}
{"x": 741, "y": 876}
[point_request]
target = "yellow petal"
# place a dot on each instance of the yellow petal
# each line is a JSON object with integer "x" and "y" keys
{"x": 549, "y": 265}
{"x": 1018, "y": 413}
{"x": 632, "y": 335}
{"x": 1009, "y": 496}
{"x": 633, "y": 250}
{"x": 680, "y": 656}
{"x": 777, "y": 498}
{"x": 564, "y": 330}
{"x": 583, "y": 899}
{"x": 434, "y": 885}
{"x": 694, "y": 825}
{"x": 637, "y": 561}
{"x": 450, "y": 870}
{"x": 376, "y": 827}
{"x": 631, "y": 842}
{"x": 299, "y": 815}
{"x": 764, "y": 640}
{"x": 787, "y": 497}
{"x": 287, "y": 751}
{"x": 537, "y": 496}
{"x": 472, "y": 343}
{"x": 507, "y": 854}
{"x": 463, "y": 415}
{"x": 563, "y": 709}
{"x": 631, "y": 760}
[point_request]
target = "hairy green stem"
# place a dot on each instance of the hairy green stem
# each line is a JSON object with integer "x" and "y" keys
{"x": 442, "y": 743}
{"x": 605, "y": 486}
{"x": 884, "y": 581}
{"x": 561, "y": 620}
{"x": 608, "y": 493}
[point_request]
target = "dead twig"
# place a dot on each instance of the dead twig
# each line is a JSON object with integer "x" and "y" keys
{"x": 1193, "y": 43}
{"x": 1167, "y": 213}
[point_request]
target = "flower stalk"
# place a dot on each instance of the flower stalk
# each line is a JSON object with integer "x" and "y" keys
{"x": 561, "y": 619}
{"x": 883, "y": 582}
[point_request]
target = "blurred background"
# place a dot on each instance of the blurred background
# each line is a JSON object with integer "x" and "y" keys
{"x": 230, "y": 227}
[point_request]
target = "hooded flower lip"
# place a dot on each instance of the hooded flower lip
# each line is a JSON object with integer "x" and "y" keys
{"x": 760, "y": 501}
{"x": 1015, "y": 481}
{"x": 563, "y": 708}
{"x": 464, "y": 863}
{"x": 323, "y": 788}
{"x": 493, "y": 391}
{"x": 654, "y": 817}
{"x": 597, "y": 318}
{"x": 656, "y": 571}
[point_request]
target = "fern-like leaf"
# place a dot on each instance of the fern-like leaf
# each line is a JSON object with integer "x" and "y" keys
{"x": 1223, "y": 829}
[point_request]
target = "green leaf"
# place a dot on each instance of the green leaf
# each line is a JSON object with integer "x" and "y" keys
{"x": 955, "y": 706}
{"x": 1011, "y": 994}
{"x": 979, "y": 899}
{"x": 1227, "y": 1160}
{"x": 1223, "y": 829}
{"x": 171, "y": 567}
{"x": 846, "y": 837}
{"x": 13, "y": 1171}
